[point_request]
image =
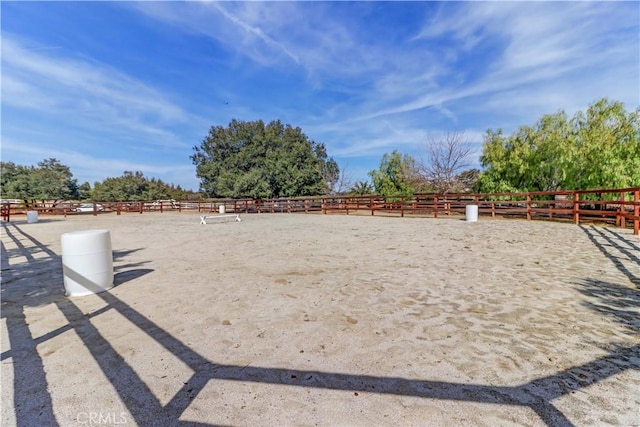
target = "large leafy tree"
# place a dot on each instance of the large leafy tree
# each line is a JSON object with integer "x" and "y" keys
{"x": 251, "y": 159}
{"x": 599, "y": 149}
{"x": 606, "y": 153}
{"x": 49, "y": 180}
{"x": 396, "y": 175}
{"x": 15, "y": 180}
{"x": 54, "y": 181}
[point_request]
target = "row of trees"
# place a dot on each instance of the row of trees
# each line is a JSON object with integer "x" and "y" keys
{"x": 134, "y": 186}
{"x": 596, "y": 149}
{"x": 51, "y": 180}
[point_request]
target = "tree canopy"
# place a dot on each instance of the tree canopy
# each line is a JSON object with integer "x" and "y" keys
{"x": 134, "y": 186}
{"x": 49, "y": 180}
{"x": 396, "y": 175}
{"x": 596, "y": 149}
{"x": 251, "y": 159}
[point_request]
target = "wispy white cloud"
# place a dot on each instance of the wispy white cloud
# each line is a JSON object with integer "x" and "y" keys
{"x": 541, "y": 44}
{"x": 86, "y": 93}
{"x": 353, "y": 75}
{"x": 56, "y": 104}
{"x": 254, "y": 30}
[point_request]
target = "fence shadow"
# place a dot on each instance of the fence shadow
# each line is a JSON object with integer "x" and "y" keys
{"x": 36, "y": 281}
{"x": 617, "y": 249}
{"x": 33, "y": 404}
{"x": 616, "y": 301}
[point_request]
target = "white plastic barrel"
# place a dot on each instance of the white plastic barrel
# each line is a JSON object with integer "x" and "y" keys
{"x": 87, "y": 262}
{"x": 32, "y": 216}
{"x": 471, "y": 213}
{"x": 221, "y": 209}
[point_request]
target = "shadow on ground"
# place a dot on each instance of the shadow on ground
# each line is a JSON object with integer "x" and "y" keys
{"x": 618, "y": 301}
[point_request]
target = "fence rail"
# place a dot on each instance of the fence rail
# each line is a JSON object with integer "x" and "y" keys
{"x": 616, "y": 206}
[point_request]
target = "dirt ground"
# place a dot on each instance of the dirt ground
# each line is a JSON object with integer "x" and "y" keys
{"x": 324, "y": 320}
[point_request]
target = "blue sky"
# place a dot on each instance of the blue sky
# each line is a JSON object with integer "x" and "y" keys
{"x": 106, "y": 87}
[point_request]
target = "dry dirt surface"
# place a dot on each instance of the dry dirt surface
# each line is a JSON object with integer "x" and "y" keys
{"x": 327, "y": 320}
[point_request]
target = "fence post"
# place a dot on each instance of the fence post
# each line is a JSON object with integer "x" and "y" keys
{"x": 528, "y": 206}
{"x": 576, "y": 208}
{"x": 476, "y": 199}
{"x": 435, "y": 206}
{"x": 636, "y": 212}
{"x": 141, "y": 207}
{"x": 371, "y": 204}
{"x": 620, "y": 219}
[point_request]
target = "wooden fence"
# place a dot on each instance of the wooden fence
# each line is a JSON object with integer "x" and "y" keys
{"x": 615, "y": 206}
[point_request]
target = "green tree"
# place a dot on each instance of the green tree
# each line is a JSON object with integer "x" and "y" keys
{"x": 251, "y": 159}
{"x": 607, "y": 149}
{"x": 15, "y": 181}
{"x": 131, "y": 186}
{"x": 397, "y": 175}
{"x": 134, "y": 186}
{"x": 599, "y": 149}
{"x": 53, "y": 180}
{"x": 84, "y": 191}
{"x": 49, "y": 180}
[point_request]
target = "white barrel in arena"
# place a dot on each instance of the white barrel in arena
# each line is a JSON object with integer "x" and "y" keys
{"x": 221, "y": 209}
{"x": 471, "y": 213}
{"x": 87, "y": 262}
{"x": 32, "y": 216}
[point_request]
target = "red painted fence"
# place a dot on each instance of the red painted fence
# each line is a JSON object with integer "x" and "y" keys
{"x": 616, "y": 206}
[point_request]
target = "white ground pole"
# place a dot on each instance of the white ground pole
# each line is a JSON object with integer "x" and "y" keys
{"x": 204, "y": 218}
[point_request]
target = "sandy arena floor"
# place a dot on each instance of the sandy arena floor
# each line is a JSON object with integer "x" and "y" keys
{"x": 324, "y": 320}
